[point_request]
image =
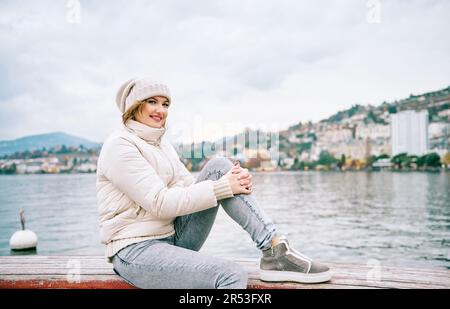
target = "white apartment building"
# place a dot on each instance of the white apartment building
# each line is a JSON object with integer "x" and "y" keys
{"x": 409, "y": 132}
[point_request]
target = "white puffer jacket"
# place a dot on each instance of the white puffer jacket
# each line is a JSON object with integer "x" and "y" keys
{"x": 142, "y": 186}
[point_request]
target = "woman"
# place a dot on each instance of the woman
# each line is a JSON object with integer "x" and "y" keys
{"x": 155, "y": 217}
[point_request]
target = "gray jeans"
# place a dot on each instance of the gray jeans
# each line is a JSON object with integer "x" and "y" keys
{"x": 175, "y": 263}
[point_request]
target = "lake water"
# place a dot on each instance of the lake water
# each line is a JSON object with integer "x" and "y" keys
{"x": 396, "y": 218}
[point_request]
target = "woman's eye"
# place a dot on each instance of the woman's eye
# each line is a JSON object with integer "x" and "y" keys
{"x": 166, "y": 104}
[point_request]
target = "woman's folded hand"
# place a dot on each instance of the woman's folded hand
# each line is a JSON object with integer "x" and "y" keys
{"x": 240, "y": 180}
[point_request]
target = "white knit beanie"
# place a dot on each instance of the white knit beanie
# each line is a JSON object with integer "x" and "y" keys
{"x": 137, "y": 89}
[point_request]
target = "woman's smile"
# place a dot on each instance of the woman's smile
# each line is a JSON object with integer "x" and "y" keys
{"x": 156, "y": 118}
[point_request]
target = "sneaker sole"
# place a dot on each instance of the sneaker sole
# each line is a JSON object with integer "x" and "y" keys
{"x": 280, "y": 276}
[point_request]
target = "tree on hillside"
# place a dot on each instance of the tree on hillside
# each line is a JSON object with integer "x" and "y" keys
{"x": 433, "y": 160}
{"x": 399, "y": 159}
{"x": 383, "y": 156}
{"x": 429, "y": 160}
{"x": 342, "y": 161}
{"x": 325, "y": 158}
{"x": 392, "y": 109}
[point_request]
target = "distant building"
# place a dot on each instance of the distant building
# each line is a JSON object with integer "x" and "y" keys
{"x": 372, "y": 131}
{"x": 445, "y": 113}
{"x": 409, "y": 132}
{"x": 266, "y": 166}
{"x": 382, "y": 163}
{"x": 33, "y": 167}
{"x": 86, "y": 168}
{"x": 439, "y": 137}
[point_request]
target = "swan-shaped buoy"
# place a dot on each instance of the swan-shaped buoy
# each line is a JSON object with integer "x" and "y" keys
{"x": 23, "y": 239}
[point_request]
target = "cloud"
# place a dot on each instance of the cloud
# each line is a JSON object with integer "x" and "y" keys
{"x": 271, "y": 62}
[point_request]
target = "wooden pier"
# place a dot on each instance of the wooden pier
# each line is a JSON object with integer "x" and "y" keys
{"x": 94, "y": 272}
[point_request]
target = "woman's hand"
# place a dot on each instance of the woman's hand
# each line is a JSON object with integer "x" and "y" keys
{"x": 240, "y": 180}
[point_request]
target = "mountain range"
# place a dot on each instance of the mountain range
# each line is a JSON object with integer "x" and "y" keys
{"x": 46, "y": 140}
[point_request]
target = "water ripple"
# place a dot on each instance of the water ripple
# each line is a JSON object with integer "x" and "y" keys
{"x": 399, "y": 219}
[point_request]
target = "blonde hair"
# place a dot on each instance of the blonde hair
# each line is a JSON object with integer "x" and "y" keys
{"x": 132, "y": 111}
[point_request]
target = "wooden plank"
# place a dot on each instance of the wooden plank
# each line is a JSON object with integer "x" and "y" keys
{"x": 52, "y": 282}
{"x": 89, "y": 261}
{"x": 114, "y": 282}
{"x": 96, "y": 272}
{"x": 350, "y": 269}
{"x": 337, "y": 279}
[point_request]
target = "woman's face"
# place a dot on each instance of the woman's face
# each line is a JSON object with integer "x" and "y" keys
{"x": 154, "y": 112}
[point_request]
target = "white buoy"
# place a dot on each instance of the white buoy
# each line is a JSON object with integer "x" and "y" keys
{"x": 23, "y": 239}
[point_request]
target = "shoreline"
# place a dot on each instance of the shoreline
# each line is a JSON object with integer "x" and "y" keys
{"x": 441, "y": 170}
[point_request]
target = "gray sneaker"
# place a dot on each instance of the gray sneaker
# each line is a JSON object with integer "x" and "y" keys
{"x": 282, "y": 263}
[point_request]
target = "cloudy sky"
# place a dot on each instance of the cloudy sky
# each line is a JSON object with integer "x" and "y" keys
{"x": 229, "y": 64}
